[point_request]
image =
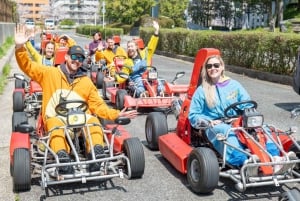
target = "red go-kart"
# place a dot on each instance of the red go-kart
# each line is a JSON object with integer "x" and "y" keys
{"x": 27, "y": 96}
{"x": 31, "y": 155}
{"x": 123, "y": 97}
{"x": 192, "y": 154}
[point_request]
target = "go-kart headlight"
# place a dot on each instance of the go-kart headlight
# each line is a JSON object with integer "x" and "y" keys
{"x": 152, "y": 75}
{"x": 76, "y": 119}
{"x": 252, "y": 118}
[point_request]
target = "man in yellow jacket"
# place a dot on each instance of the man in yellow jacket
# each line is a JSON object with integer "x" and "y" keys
{"x": 109, "y": 54}
{"x": 67, "y": 82}
{"x": 137, "y": 61}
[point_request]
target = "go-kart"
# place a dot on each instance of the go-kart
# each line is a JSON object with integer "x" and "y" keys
{"x": 123, "y": 96}
{"x": 192, "y": 154}
{"x": 99, "y": 70}
{"x": 31, "y": 155}
{"x": 27, "y": 95}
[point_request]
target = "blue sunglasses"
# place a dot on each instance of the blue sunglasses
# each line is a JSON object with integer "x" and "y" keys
{"x": 76, "y": 57}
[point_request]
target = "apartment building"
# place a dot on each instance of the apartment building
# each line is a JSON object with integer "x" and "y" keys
{"x": 32, "y": 9}
{"x": 80, "y": 11}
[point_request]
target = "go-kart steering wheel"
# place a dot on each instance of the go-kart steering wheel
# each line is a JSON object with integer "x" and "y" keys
{"x": 62, "y": 109}
{"x": 235, "y": 107}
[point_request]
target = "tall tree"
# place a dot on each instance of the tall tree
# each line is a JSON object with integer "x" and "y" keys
{"x": 127, "y": 11}
{"x": 174, "y": 9}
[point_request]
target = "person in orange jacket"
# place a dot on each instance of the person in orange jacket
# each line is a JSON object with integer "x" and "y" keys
{"x": 67, "y": 82}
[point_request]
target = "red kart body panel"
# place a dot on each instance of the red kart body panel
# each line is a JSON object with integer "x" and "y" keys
{"x": 119, "y": 139}
{"x": 18, "y": 140}
{"x": 145, "y": 102}
{"x": 175, "y": 151}
{"x": 34, "y": 87}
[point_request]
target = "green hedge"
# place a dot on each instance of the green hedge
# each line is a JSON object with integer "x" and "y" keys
{"x": 89, "y": 30}
{"x": 261, "y": 50}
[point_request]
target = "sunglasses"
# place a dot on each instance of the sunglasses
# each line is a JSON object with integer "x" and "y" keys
{"x": 215, "y": 65}
{"x": 76, "y": 57}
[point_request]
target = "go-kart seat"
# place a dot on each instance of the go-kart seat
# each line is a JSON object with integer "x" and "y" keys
{"x": 59, "y": 56}
{"x": 117, "y": 40}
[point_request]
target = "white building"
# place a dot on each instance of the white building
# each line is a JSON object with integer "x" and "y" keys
{"x": 80, "y": 11}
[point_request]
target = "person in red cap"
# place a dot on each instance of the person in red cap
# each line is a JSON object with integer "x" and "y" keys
{"x": 67, "y": 82}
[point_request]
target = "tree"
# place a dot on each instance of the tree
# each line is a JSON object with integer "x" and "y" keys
{"x": 174, "y": 9}
{"x": 127, "y": 11}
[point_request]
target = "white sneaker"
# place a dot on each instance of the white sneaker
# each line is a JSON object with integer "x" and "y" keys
{"x": 278, "y": 167}
{"x": 252, "y": 171}
{"x": 282, "y": 168}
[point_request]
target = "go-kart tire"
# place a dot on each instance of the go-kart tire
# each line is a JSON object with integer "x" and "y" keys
{"x": 17, "y": 119}
{"x": 156, "y": 125}
{"x": 106, "y": 85}
{"x": 18, "y": 101}
{"x": 290, "y": 195}
{"x": 99, "y": 80}
{"x": 133, "y": 149}
{"x": 19, "y": 84}
{"x": 120, "y": 95}
{"x": 202, "y": 170}
{"x": 21, "y": 170}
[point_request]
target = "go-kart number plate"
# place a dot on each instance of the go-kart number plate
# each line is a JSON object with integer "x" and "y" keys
{"x": 152, "y": 75}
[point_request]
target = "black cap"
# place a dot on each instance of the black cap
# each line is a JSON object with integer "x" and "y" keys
{"x": 76, "y": 50}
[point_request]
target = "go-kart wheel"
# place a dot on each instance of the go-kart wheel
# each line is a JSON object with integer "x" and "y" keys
{"x": 21, "y": 170}
{"x": 236, "y": 109}
{"x": 17, "y": 119}
{"x": 99, "y": 80}
{"x": 156, "y": 125}
{"x": 290, "y": 195}
{"x": 19, "y": 84}
{"x": 133, "y": 149}
{"x": 18, "y": 101}
{"x": 64, "y": 107}
{"x": 202, "y": 170}
{"x": 104, "y": 88}
{"x": 121, "y": 93}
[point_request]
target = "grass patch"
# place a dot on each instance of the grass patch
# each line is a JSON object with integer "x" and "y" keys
{"x": 5, "y": 46}
{"x": 3, "y": 77}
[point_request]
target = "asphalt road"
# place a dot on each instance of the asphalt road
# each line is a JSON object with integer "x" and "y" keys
{"x": 160, "y": 181}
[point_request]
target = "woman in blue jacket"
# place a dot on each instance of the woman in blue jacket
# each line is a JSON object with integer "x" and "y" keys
{"x": 208, "y": 103}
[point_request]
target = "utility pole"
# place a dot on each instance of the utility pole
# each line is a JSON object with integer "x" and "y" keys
{"x": 103, "y": 13}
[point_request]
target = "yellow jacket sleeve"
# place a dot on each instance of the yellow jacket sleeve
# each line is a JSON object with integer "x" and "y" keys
{"x": 36, "y": 56}
{"x": 148, "y": 52}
